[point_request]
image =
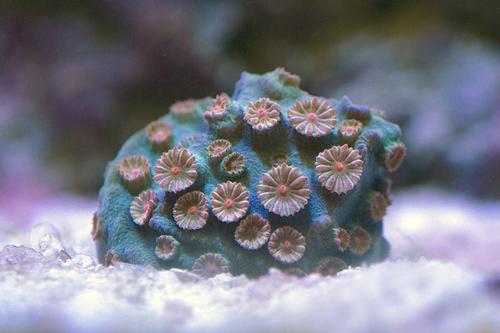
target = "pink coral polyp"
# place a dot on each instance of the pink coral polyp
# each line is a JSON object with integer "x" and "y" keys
{"x": 159, "y": 135}
{"x": 191, "y": 211}
{"x": 284, "y": 190}
{"x": 218, "y": 109}
{"x": 229, "y": 201}
{"x": 134, "y": 172}
{"x": 313, "y": 117}
{"x": 181, "y": 108}
{"x": 395, "y": 156}
{"x": 253, "y": 232}
{"x": 263, "y": 114}
{"x": 339, "y": 168}
{"x": 142, "y": 207}
{"x": 287, "y": 245}
{"x": 175, "y": 170}
{"x": 210, "y": 265}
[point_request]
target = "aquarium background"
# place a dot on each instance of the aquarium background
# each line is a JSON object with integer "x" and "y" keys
{"x": 77, "y": 78}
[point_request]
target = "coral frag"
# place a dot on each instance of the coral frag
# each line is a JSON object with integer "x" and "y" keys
{"x": 270, "y": 177}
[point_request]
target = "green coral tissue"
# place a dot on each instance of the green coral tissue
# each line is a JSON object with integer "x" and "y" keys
{"x": 268, "y": 177}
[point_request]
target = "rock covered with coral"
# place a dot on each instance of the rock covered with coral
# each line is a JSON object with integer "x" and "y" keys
{"x": 268, "y": 177}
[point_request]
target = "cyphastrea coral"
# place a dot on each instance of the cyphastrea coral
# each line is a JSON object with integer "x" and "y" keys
{"x": 270, "y": 176}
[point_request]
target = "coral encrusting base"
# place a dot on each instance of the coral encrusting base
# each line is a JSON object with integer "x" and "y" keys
{"x": 268, "y": 177}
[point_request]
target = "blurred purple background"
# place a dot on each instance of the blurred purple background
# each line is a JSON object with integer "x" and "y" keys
{"x": 78, "y": 78}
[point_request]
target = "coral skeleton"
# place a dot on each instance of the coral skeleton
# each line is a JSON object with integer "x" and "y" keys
{"x": 268, "y": 176}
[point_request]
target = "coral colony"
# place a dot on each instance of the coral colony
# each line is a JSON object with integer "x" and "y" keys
{"x": 269, "y": 177}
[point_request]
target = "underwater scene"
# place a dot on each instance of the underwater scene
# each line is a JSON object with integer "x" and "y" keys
{"x": 250, "y": 166}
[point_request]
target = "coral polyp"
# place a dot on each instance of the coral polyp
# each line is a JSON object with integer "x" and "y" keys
{"x": 360, "y": 240}
{"x": 175, "y": 170}
{"x": 339, "y": 168}
{"x": 269, "y": 176}
{"x": 134, "y": 172}
{"x": 217, "y": 149}
{"x": 312, "y": 117}
{"x": 229, "y": 201}
{"x": 253, "y": 232}
{"x": 218, "y": 109}
{"x": 159, "y": 135}
{"x": 262, "y": 114}
{"x": 183, "y": 108}
{"x": 210, "y": 264}
{"x": 166, "y": 247}
{"x": 342, "y": 239}
{"x": 191, "y": 211}
{"x": 287, "y": 78}
{"x": 96, "y": 231}
{"x": 394, "y": 156}
{"x": 284, "y": 190}
{"x": 349, "y": 130}
{"x": 330, "y": 266}
{"x": 287, "y": 245}
{"x": 233, "y": 165}
{"x": 378, "y": 206}
{"x": 141, "y": 208}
